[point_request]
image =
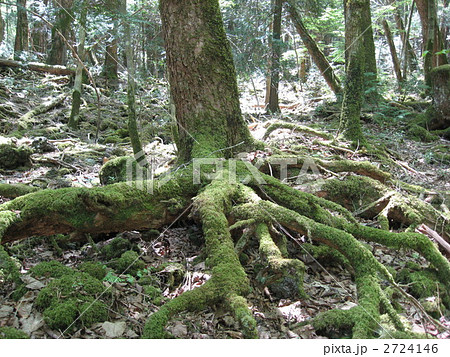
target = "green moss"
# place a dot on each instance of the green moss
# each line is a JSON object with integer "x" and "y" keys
{"x": 354, "y": 192}
{"x": 115, "y": 170}
{"x": 51, "y": 269}
{"x": 92, "y": 311}
{"x": 116, "y": 248}
{"x": 334, "y": 323}
{"x": 418, "y": 133}
{"x": 128, "y": 263}
{"x": 76, "y": 285}
{"x": 94, "y": 269}
{"x": 12, "y": 157}
{"x": 12, "y": 333}
{"x": 9, "y": 270}
{"x": 13, "y": 191}
{"x": 325, "y": 254}
{"x": 423, "y": 283}
{"x": 61, "y": 316}
{"x": 154, "y": 294}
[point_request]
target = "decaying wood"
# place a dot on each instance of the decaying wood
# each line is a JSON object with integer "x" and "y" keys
{"x": 424, "y": 229}
{"x": 25, "y": 119}
{"x": 38, "y": 67}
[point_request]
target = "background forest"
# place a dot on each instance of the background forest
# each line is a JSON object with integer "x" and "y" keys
{"x": 360, "y": 88}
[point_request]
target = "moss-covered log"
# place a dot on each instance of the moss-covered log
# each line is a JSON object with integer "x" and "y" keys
{"x": 113, "y": 208}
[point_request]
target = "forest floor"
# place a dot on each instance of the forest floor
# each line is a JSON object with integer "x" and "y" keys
{"x": 74, "y": 159}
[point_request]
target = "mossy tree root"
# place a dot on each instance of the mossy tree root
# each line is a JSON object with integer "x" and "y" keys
{"x": 279, "y": 265}
{"x": 228, "y": 283}
{"x": 365, "y": 265}
{"x": 113, "y": 208}
{"x": 317, "y": 209}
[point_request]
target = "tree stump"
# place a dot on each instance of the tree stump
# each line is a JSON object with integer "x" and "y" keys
{"x": 440, "y": 85}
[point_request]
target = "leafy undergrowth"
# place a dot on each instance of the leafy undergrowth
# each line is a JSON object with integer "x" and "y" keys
{"x": 140, "y": 271}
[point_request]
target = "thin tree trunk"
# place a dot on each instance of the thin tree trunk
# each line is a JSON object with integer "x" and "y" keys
{"x": 350, "y": 124}
{"x": 2, "y": 27}
{"x": 409, "y": 56}
{"x": 370, "y": 60}
{"x": 131, "y": 89}
{"x": 77, "y": 87}
{"x": 273, "y": 105}
{"x": 316, "y": 54}
{"x": 395, "y": 61}
{"x": 21, "y": 41}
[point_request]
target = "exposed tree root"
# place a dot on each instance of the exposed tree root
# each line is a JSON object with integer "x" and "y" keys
{"x": 225, "y": 204}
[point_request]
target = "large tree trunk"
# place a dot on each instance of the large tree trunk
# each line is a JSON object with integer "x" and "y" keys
{"x": 273, "y": 83}
{"x": 21, "y": 41}
{"x": 202, "y": 80}
{"x": 317, "y": 55}
{"x": 370, "y": 66}
{"x": 355, "y": 58}
{"x": 60, "y": 32}
{"x": 431, "y": 37}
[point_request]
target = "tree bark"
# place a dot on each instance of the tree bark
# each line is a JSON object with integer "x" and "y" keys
{"x": 202, "y": 80}
{"x": 432, "y": 42}
{"x": 395, "y": 61}
{"x": 131, "y": 89}
{"x": 61, "y": 28}
{"x": 111, "y": 64}
{"x": 317, "y": 55}
{"x": 272, "y": 92}
{"x": 78, "y": 85}
{"x": 2, "y": 27}
{"x": 21, "y": 41}
{"x": 350, "y": 124}
{"x": 409, "y": 56}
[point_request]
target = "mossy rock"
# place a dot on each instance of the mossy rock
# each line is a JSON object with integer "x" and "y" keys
{"x": 52, "y": 269}
{"x": 62, "y": 315}
{"x": 122, "y": 169}
{"x": 128, "y": 263}
{"x": 94, "y": 269}
{"x": 154, "y": 294}
{"x": 12, "y": 157}
{"x": 9, "y": 270}
{"x": 12, "y": 333}
{"x": 77, "y": 285}
{"x": 418, "y": 133}
{"x": 115, "y": 248}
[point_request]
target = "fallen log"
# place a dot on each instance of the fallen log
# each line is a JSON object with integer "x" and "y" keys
{"x": 38, "y": 67}
{"x": 25, "y": 119}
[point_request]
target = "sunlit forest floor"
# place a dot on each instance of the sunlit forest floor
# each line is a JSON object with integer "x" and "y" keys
{"x": 65, "y": 158}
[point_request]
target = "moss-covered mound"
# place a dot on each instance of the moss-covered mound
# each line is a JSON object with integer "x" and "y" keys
{"x": 128, "y": 263}
{"x": 94, "y": 269}
{"x": 12, "y": 333}
{"x": 12, "y": 157}
{"x": 116, "y": 248}
{"x": 73, "y": 300}
{"x": 52, "y": 269}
